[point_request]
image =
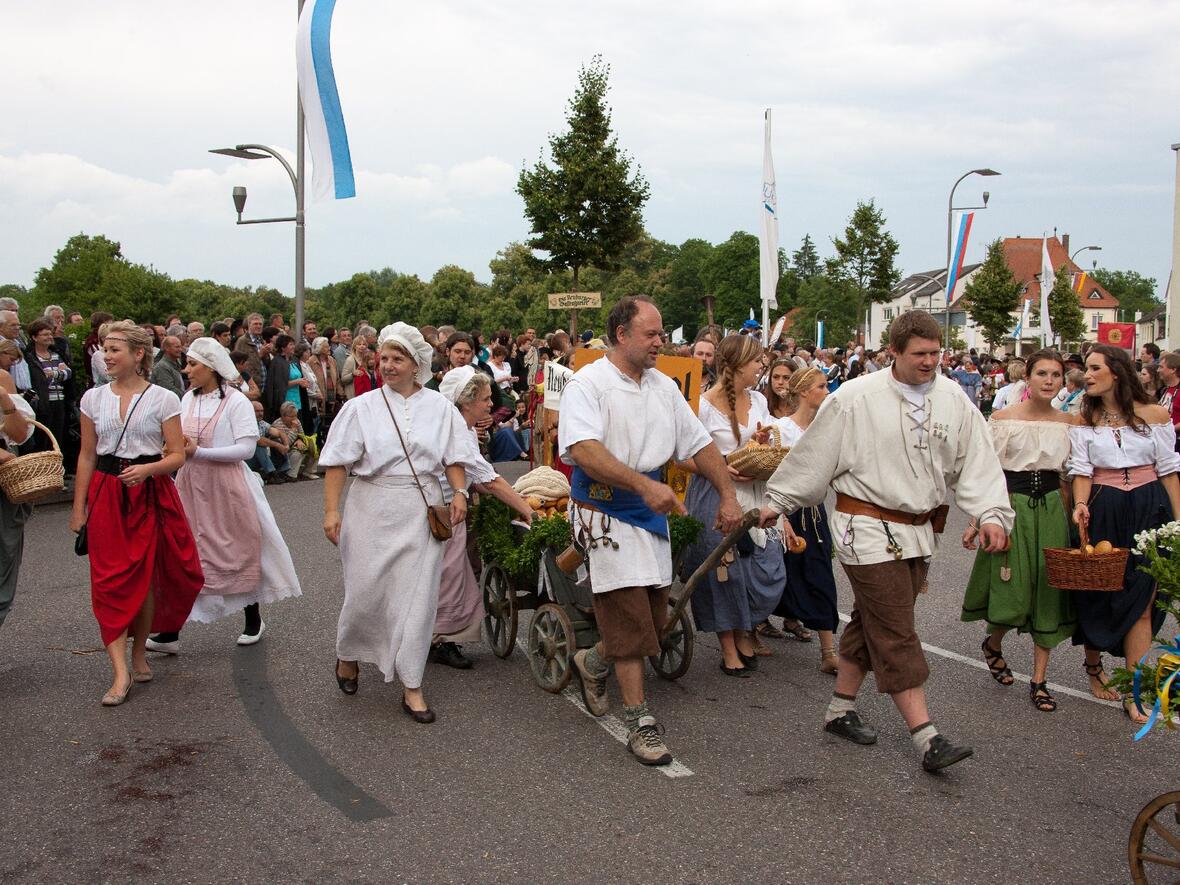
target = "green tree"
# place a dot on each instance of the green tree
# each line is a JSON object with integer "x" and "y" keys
{"x": 805, "y": 260}
{"x": 74, "y": 279}
{"x": 731, "y": 274}
{"x": 1065, "y": 311}
{"x": 838, "y": 302}
{"x": 992, "y": 295}
{"x": 587, "y": 207}
{"x": 1136, "y": 293}
{"x": 865, "y": 258}
{"x": 453, "y": 298}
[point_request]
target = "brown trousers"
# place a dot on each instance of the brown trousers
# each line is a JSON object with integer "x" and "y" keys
{"x": 881, "y": 636}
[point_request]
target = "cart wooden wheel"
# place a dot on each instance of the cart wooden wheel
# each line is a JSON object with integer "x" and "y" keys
{"x": 1155, "y": 841}
{"x": 676, "y": 649}
{"x": 551, "y": 647}
{"x": 499, "y": 605}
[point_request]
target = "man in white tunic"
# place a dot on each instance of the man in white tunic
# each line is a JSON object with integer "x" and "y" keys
{"x": 621, "y": 421}
{"x": 891, "y": 444}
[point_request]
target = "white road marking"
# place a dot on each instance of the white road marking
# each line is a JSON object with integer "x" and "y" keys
{"x": 612, "y": 726}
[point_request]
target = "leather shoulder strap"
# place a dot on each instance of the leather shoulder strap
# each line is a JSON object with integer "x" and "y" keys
{"x": 405, "y": 448}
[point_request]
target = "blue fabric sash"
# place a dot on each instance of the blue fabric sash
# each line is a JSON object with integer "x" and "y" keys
{"x": 621, "y": 504}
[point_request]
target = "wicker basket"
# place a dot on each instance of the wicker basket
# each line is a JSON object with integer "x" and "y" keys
{"x": 30, "y": 478}
{"x": 758, "y": 461}
{"x": 1069, "y": 569}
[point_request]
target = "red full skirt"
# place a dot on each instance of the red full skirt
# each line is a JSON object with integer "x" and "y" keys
{"x": 140, "y": 541}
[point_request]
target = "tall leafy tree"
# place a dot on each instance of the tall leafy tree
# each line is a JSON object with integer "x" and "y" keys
{"x": 1135, "y": 292}
{"x": 992, "y": 295}
{"x": 732, "y": 275}
{"x": 1065, "y": 311}
{"x": 865, "y": 258}
{"x": 586, "y": 204}
{"x": 805, "y": 260}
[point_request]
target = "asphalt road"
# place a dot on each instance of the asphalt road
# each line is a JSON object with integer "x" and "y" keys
{"x": 249, "y": 765}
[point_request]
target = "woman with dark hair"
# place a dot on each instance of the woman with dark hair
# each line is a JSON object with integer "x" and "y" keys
{"x": 93, "y": 344}
{"x": 735, "y": 599}
{"x": 778, "y": 397}
{"x": 243, "y": 556}
{"x": 1149, "y": 376}
{"x": 1123, "y": 464}
{"x": 1010, "y": 590}
{"x": 49, "y": 373}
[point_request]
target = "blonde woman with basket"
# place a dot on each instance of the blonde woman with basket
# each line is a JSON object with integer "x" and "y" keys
{"x": 740, "y": 594}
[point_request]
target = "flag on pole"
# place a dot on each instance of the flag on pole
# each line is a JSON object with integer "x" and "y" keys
{"x": 768, "y": 256}
{"x": 1022, "y": 323}
{"x": 1081, "y": 282}
{"x": 678, "y": 335}
{"x": 1047, "y": 278}
{"x": 1117, "y": 335}
{"x": 327, "y": 139}
{"x": 962, "y": 230}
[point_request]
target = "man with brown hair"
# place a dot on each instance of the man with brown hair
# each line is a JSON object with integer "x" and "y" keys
{"x": 891, "y": 446}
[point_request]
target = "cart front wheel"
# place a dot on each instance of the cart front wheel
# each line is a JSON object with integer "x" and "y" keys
{"x": 499, "y": 605}
{"x": 551, "y": 647}
{"x": 675, "y": 650}
{"x": 1155, "y": 840}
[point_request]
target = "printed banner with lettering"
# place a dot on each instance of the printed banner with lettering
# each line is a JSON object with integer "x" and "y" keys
{"x": 556, "y": 377}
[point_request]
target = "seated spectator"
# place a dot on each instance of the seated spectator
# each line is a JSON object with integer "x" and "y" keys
{"x": 269, "y": 440}
{"x": 302, "y": 454}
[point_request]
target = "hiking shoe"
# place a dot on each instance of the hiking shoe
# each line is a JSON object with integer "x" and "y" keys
{"x": 449, "y": 655}
{"x": 851, "y": 728}
{"x": 593, "y": 687}
{"x": 943, "y": 753}
{"x": 646, "y": 743}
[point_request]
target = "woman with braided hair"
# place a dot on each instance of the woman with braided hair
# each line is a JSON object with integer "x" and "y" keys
{"x": 740, "y": 594}
{"x": 810, "y": 594}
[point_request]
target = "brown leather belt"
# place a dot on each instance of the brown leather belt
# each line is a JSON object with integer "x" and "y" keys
{"x": 856, "y": 507}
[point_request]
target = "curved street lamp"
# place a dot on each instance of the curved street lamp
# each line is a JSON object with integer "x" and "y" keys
{"x": 950, "y": 208}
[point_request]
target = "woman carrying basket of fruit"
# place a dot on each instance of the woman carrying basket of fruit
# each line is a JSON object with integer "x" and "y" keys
{"x": 1123, "y": 464}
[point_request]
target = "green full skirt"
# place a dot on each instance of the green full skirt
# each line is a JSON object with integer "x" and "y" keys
{"x": 1024, "y": 602}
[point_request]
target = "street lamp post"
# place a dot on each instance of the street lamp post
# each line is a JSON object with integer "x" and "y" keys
{"x": 261, "y": 152}
{"x": 950, "y": 208}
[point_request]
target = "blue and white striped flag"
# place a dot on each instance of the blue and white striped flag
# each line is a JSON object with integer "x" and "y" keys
{"x": 326, "y": 137}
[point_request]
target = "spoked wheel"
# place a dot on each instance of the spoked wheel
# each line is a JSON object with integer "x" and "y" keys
{"x": 499, "y": 605}
{"x": 1155, "y": 841}
{"x": 551, "y": 647}
{"x": 676, "y": 650}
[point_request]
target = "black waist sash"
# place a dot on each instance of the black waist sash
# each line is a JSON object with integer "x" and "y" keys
{"x": 1036, "y": 484}
{"x": 113, "y": 466}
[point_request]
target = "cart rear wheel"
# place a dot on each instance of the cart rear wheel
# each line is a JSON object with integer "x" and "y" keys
{"x": 1155, "y": 841}
{"x": 551, "y": 647}
{"x": 499, "y": 605}
{"x": 676, "y": 650}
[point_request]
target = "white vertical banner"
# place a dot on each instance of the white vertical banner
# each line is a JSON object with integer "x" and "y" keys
{"x": 1047, "y": 279}
{"x": 768, "y": 231}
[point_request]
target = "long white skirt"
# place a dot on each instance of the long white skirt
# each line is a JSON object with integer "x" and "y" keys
{"x": 391, "y": 572}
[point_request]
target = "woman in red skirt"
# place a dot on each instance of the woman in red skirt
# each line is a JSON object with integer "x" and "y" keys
{"x": 144, "y": 569}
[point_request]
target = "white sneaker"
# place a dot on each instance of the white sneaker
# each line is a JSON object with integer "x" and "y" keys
{"x": 164, "y": 648}
{"x": 247, "y": 639}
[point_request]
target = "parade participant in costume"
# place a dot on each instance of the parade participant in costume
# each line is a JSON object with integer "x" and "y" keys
{"x": 810, "y": 593}
{"x": 144, "y": 569}
{"x": 735, "y": 598}
{"x": 1123, "y": 464}
{"x": 15, "y": 429}
{"x": 460, "y": 602}
{"x": 891, "y": 445}
{"x": 243, "y": 556}
{"x": 621, "y": 423}
{"x": 394, "y": 440}
{"x": 1010, "y": 590}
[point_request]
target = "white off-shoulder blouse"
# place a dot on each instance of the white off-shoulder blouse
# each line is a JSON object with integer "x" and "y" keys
{"x": 1119, "y": 447}
{"x": 1030, "y": 445}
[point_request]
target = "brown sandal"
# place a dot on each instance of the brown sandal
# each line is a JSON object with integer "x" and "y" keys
{"x": 826, "y": 662}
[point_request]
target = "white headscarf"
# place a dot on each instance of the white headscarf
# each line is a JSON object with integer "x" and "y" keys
{"x": 209, "y": 352}
{"x": 411, "y": 340}
{"x": 454, "y": 381}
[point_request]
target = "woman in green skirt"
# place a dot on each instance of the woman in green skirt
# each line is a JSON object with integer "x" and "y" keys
{"x": 1010, "y": 590}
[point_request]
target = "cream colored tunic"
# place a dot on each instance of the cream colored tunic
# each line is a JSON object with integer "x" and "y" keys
{"x": 866, "y": 442}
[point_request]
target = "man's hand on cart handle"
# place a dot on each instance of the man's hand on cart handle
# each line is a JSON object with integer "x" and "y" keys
{"x": 662, "y": 499}
{"x": 729, "y": 514}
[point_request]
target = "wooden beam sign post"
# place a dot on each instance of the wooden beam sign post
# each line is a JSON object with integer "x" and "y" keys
{"x": 573, "y": 302}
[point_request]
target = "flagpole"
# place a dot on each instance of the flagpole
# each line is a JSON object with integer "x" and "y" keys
{"x": 299, "y": 183}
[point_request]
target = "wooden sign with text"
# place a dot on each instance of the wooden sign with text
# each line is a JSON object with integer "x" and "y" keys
{"x": 574, "y": 300}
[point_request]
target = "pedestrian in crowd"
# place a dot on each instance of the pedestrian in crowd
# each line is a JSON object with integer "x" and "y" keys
{"x": 49, "y": 374}
{"x": 1149, "y": 354}
{"x": 245, "y": 383}
{"x": 1010, "y": 590}
{"x": 10, "y": 330}
{"x": 342, "y": 349}
{"x": 145, "y": 572}
{"x": 301, "y": 459}
{"x": 1074, "y": 390}
{"x": 460, "y": 602}
{"x": 969, "y": 380}
{"x": 394, "y": 441}
{"x": 166, "y": 372}
{"x": 1169, "y": 371}
{"x": 284, "y": 379}
{"x": 1123, "y": 465}
{"x": 251, "y": 344}
{"x": 809, "y": 597}
{"x": 243, "y": 556}
{"x": 706, "y": 351}
{"x": 502, "y": 374}
{"x": 327, "y": 382}
{"x": 885, "y": 508}
{"x": 1012, "y": 392}
{"x": 220, "y": 333}
{"x": 95, "y": 369}
{"x": 617, "y": 450}
{"x": 1149, "y": 377}
{"x": 268, "y": 440}
{"x": 15, "y": 413}
{"x": 833, "y": 369}
{"x": 779, "y": 402}
{"x": 732, "y": 601}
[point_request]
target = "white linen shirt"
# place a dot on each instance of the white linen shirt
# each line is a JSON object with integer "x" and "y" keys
{"x": 1091, "y": 447}
{"x": 145, "y": 433}
{"x": 23, "y": 406}
{"x": 644, "y": 426}
{"x": 362, "y": 436}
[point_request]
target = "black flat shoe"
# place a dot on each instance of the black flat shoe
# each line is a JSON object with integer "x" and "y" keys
{"x": 751, "y": 661}
{"x": 851, "y": 728}
{"x": 424, "y": 716}
{"x": 449, "y": 655}
{"x": 943, "y": 753}
{"x": 737, "y": 672}
{"x": 347, "y": 685}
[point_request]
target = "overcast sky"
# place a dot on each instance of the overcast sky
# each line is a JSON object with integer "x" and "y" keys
{"x": 110, "y": 108}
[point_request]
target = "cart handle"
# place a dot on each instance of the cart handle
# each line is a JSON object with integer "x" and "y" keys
{"x": 749, "y": 520}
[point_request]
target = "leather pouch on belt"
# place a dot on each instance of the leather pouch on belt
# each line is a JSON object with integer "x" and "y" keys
{"x": 938, "y": 518}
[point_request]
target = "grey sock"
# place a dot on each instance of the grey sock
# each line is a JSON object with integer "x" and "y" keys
{"x": 595, "y": 664}
{"x": 633, "y": 715}
{"x": 922, "y": 736}
{"x": 838, "y": 706}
